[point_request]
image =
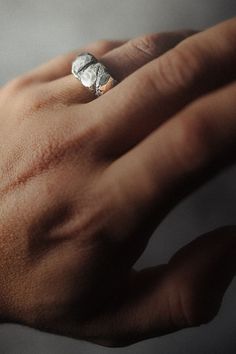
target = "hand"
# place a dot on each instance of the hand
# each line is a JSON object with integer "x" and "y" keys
{"x": 84, "y": 185}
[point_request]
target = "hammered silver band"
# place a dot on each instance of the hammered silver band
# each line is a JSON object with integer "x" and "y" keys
{"x": 92, "y": 74}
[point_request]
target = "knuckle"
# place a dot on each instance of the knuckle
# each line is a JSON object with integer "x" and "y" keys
{"x": 18, "y": 84}
{"x": 181, "y": 67}
{"x": 147, "y": 45}
{"x": 197, "y": 308}
{"x": 191, "y": 306}
{"x": 37, "y": 101}
{"x": 91, "y": 131}
{"x": 90, "y": 136}
{"x": 26, "y": 104}
{"x": 192, "y": 141}
{"x": 70, "y": 140}
{"x": 228, "y": 33}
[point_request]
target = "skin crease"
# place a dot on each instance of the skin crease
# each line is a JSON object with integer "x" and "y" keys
{"x": 85, "y": 182}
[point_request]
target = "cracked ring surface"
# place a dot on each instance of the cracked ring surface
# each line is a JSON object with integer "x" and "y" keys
{"x": 92, "y": 74}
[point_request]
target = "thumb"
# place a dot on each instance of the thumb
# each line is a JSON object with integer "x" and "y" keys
{"x": 184, "y": 293}
{"x": 201, "y": 272}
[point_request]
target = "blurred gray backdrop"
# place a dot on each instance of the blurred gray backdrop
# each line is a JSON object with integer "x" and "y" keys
{"x": 31, "y": 32}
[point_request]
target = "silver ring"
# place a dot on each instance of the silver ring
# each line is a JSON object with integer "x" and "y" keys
{"x": 92, "y": 74}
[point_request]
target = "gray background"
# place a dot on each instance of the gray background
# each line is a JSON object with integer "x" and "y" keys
{"x": 32, "y": 32}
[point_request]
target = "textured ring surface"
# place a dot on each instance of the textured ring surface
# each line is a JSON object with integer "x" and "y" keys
{"x": 92, "y": 74}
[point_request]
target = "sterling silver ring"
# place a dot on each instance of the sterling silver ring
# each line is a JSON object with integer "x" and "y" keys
{"x": 92, "y": 74}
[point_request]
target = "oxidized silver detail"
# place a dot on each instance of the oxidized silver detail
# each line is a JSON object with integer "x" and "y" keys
{"x": 92, "y": 74}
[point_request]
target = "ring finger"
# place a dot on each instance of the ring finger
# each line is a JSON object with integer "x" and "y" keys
{"x": 121, "y": 62}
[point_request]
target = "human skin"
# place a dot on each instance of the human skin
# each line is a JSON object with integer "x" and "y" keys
{"x": 85, "y": 182}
